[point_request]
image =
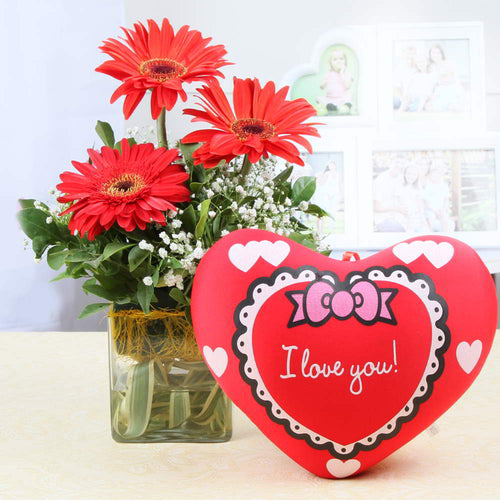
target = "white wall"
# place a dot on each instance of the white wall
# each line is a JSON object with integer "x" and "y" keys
{"x": 266, "y": 38}
{"x": 51, "y": 98}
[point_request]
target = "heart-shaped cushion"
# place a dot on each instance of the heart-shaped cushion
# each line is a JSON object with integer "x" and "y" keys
{"x": 342, "y": 363}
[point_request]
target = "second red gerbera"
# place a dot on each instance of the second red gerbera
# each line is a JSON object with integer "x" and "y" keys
{"x": 131, "y": 188}
{"x": 263, "y": 123}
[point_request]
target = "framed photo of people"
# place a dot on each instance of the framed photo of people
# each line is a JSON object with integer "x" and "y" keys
{"x": 333, "y": 163}
{"x": 339, "y": 79}
{"x": 419, "y": 186}
{"x": 431, "y": 76}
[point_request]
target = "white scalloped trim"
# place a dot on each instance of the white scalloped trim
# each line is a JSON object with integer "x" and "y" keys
{"x": 262, "y": 292}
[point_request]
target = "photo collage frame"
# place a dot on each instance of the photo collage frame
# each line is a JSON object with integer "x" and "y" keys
{"x": 404, "y": 148}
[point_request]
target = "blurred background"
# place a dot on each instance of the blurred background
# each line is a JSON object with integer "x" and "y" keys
{"x": 51, "y": 98}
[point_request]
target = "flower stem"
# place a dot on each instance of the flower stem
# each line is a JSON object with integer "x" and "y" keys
{"x": 247, "y": 165}
{"x": 161, "y": 129}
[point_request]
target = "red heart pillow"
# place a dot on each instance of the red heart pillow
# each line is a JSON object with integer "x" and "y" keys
{"x": 342, "y": 363}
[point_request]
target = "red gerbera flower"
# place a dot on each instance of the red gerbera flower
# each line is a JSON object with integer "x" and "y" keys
{"x": 132, "y": 188}
{"x": 263, "y": 122}
{"x": 161, "y": 61}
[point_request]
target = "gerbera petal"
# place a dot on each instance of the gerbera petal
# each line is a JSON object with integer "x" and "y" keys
{"x": 131, "y": 102}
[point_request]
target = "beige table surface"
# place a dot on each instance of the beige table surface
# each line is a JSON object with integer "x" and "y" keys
{"x": 55, "y": 441}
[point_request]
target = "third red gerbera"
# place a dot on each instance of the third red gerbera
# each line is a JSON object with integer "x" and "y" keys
{"x": 160, "y": 61}
{"x": 263, "y": 122}
{"x": 132, "y": 188}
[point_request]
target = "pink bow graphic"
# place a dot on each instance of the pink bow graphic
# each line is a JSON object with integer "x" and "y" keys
{"x": 323, "y": 299}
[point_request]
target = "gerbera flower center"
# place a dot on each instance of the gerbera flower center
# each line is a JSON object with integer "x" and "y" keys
{"x": 162, "y": 69}
{"x": 123, "y": 185}
{"x": 252, "y": 126}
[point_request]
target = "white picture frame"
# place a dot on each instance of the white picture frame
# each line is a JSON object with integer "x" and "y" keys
{"x": 486, "y": 146}
{"x": 356, "y": 43}
{"x": 436, "y": 72}
{"x": 334, "y": 146}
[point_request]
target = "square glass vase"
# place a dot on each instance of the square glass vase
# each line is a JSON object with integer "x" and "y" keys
{"x": 160, "y": 388}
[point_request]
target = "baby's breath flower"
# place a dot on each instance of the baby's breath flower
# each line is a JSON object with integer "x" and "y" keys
{"x": 240, "y": 190}
{"x": 144, "y": 245}
{"x": 198, "y": 253}
{"x": 210, "y": 193}
{"x": 164, "y": 236}
{"x": 233, "y": 205}
{"x": 224, "y": 232}
{"x": 212, "y": 214}
{"x": 49, "y": 220}
{"x": 303, "y": 205}
{"x": 147, "y": 280}
{"x": 176, "y": 224}
{"x": 163, "y": 253}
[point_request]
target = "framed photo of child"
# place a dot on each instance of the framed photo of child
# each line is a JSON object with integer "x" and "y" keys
{"x": 435, "y": 185}
{"x": 431, "y": 75}
{"x": 339, "y": 80}
{"x": 333, "y": 164}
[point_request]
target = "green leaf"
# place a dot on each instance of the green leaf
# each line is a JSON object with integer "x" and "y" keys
{"x": 200, "y": 227}
{"x": 156, "y": 276}
{"x": 105, "y": 132}
{"x": 55, "y": 256}
{"x": 39, "y": 245}
{"x": 178, "y": 296}
{"x": 114, "y": 247}
{"x": 33, "y": 224}
{"x": 92, "y": 309}
{"x": 98, "y": 290}
{"x": 132, "y": 413}
{"x": 187, "y": 150}
{"x": 303, "y": 189}
{"x": 303, "y": 239}
{"x": 30, "y": 203}
{"x": 174, "y": 263}
{"x": 195, "y": 187}
{"x": 61, "y": 276}
{"x": 188, "y": 218}
{"x": 283, "y": 176}
{"x": 180, "y": 408}
{"x": 136, "y": 257}
{"x": 78, "y": 256}
{"x": 317, "y": 211}
{"x": 144, "y": 296}
{"x": 199, "y": 174}
{"x": 216, "y": 229}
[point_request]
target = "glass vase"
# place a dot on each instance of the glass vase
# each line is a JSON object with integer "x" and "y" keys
{"x": 160, "y": 388}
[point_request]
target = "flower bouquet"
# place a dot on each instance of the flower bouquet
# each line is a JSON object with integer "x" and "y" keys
{"x": 134, "y": 220}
